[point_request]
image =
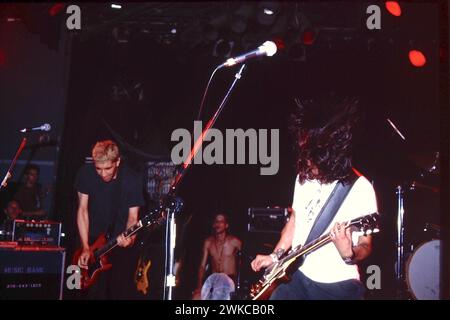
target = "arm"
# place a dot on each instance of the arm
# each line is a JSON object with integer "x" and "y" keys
{"x": 201, "y": 269}
{"x": 83, "y": 228}
{"x": 238, "y": 244}
{"x": 285, "y": 242}
{"x": 363, "y": 249}
{"x": 133, "y": 213}
{"x": 287, "y": 234}
{"x": 132, "y": 216}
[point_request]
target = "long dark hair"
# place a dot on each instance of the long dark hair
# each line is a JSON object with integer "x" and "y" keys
{"x": 323, "y": 132}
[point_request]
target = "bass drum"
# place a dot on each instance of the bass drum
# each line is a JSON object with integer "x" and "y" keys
{"x": 423, "y": 271}
{"x": 218, "y": 286}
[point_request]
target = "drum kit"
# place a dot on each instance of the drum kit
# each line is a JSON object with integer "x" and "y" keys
{"x": 419, "y": 233}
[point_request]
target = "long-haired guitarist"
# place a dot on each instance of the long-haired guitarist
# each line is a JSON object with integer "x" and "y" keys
{"x": 109, "y": 197}
{"x": 323, "y": 130}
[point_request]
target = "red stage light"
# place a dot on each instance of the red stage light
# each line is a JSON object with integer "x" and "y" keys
{"x": 2, "y": 58}
{"x": 280, "y": 43}
{"x": 308, "y": 37}
{"x": 417, "y": 58}
{"x": 55, "y": 9}
{"x": 394, "y": 8}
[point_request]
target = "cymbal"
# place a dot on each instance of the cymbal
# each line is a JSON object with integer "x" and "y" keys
{"x": 428, "y": 162}
{"x": 417, "y": 185}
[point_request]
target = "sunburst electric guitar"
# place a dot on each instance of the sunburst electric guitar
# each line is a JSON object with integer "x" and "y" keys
{"x": 141, "y": 274}
{"x": 282, "y": 270}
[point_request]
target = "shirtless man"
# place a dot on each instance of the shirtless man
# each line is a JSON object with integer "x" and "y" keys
{"x": 222, "y": 247}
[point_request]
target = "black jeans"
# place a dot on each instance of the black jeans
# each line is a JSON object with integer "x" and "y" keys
{"x": 303, "y": 288}
{"x": 118, "y": 282}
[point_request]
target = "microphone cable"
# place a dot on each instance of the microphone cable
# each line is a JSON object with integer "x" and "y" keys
{"x": 206, "y": 91}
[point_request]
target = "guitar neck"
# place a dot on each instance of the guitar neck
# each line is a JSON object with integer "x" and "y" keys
{"x": 149, "y": 220}
{"x": 306, "y": 249}
{"x": 113, "y": 242}
{"x": 369, "y": 220}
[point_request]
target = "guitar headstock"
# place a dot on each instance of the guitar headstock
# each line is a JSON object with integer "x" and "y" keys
{"x": 368, "y": 224}
{"x": 159, "y": 214}
{"x": 175, "y": 204}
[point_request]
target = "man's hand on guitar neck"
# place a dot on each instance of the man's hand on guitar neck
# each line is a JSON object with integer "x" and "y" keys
{"x": 341, "y": 236}
{"x": 124, "y": 242}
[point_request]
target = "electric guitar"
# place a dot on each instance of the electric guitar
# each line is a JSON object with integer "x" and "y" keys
{"x": 140, "y": 276}
{"x": 282, "y": 270}
{"x": 98, "y": 261}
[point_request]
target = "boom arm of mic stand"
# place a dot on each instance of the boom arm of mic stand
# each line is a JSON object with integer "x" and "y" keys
{"x": 170, "y": 226}
{"x": 12, "y": 165}
{"x": 188, "y": 161}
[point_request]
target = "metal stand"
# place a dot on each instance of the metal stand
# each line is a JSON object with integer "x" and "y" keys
{"x": 8, "y": 174}
{"x": 170, "y": 250}
{"x": 170, "y": 227}
{"x": 400, "y": 244}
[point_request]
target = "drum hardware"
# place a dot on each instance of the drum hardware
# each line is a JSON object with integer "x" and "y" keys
{"x": 417, "y": 269}
{"x": 218, "y": 286}
{"x": 429, "y": 163}
{"x": 423, "y": 271}
{"x": 430, "y": 231}
{"x": 415, "y": 185}
{"x": 400, "y": 237}
{"x": 432, "y": 227}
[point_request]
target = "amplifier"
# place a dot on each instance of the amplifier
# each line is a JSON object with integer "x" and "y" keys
{"x": 31, "y": 273}
{"x": 268, "y": 220}
{"x": 37, "y": 233}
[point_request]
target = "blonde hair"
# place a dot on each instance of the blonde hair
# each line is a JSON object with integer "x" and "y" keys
{"x": 106, "y": 150}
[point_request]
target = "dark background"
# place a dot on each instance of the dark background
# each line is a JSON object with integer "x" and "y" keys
{"x": 126, "y": 76}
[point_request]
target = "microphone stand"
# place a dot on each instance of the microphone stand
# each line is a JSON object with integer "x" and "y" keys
{"x": 12, "y": 165}
{"x": 199, "y": 142}
{"x": 170, "y": 227}
{"x": 400, "y": 243}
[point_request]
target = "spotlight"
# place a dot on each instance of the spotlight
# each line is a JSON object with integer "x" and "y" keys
{"x": 393, "y": 7}
{"x": 2, "y": 58}
{"x": 267, "y": 12}
{"x": 55, "y": 9}
{"x": 417, "y": 58}
{"x": 280, "y": 43}
{"x": 116, "y": 6}
{"x": 308, "y": 37}
{"x": 12, "y": 19}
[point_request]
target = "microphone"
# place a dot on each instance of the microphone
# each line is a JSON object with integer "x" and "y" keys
{"x": 44, "y": 127}
{"x": 268, "y": 48}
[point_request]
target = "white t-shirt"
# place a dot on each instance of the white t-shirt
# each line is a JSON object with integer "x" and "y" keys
{"x": 325, "y": 264}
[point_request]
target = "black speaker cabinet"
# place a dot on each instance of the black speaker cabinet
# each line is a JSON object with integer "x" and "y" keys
{"x": 28, "y": 273}
{"x": 267, "y": 220}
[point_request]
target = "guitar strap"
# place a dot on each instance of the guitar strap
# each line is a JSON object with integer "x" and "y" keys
{"x": 331, "y": 207}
